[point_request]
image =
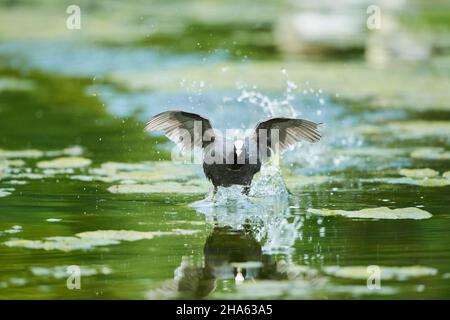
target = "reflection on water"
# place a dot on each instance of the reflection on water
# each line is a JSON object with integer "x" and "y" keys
{"x": 232, "y": 256}
{"x": 386, "y": 146}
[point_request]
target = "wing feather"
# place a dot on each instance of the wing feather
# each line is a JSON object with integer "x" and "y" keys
{"x": 290, "y": 131}
{"x": 175, "y": 124}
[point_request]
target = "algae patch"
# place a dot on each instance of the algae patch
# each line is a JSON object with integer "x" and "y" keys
{"x": 64, "y": 162}
{"x": 419, "y": 173}
{"x": 61, "y": 272}
{"x": 431, "y": 154}
{"x": 91, "y": 239}
{"x": 387, "y": 272}
{"x": 376, "y": 213}
{"x": 4, "y": 192}
{"x": 158, "y": 188}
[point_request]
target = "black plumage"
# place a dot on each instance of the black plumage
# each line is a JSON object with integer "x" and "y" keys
{"x": 235, "y": 164}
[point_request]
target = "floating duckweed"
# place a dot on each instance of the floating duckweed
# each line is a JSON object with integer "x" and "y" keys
{"x": 91, "y": 239}
{"x": 316, "y": 288}
{"x": 31, "y": 153}
{"x": 4, "y": 192}
{"x": 163, "y": 187}
{"x": 34, "y": 153}
{"x": 387, "y": 272}
{"x": 408, "y": 129}
{"x": 296, "y": 181}
{"x": 65, "y": 162}
{"x": 28, "y": 175}
{"x": 431, "y": 154}
{"x": 60, "y": 272}
{"x": 144, "y": 172}
{"x": 116, "y": 235}
{"x": 426, "y": 182}
{"x": 87, "y": 178}
{"x": 72, "y": 151}
{"x": 14, "y": 229}
{"x": 60, "y": 243}
{"x": 16, "y": 182}
{"x": 376, "y": 213}
{"x": 5, "y": 163}
{"x": 371, "y": 152}
{"x": 419, "y": 173}
{"x": 9, "y": 84}
{"x": 438, "y": 182}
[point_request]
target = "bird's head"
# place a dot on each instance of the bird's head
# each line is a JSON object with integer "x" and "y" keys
{"x": 238, "y": 146}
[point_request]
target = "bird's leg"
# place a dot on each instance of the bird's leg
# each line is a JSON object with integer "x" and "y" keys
{"x": 215, "y": 190}
{"x": 246, "y": 190}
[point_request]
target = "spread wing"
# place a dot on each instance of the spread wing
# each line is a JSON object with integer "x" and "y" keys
{"x": 185, "y": 129}
{"x": 290, "y": 131}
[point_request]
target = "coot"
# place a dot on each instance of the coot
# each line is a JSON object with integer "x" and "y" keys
{"x": 227, "y": 162}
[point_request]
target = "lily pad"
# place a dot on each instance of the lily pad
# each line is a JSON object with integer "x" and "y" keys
{"x": 34, "y": 153}
{"x": 407, "y": 129}
{"x": 60, "y": 272}
{"x": 14, "y": 229}
{"x": 438, "y": 182}
{"x": 419, "y": 173}
{"x": 91, "y": 239}
{"x": 387, "y": 272}
{"x": 65, "y": 162}
{"x": 4, "y": 192}
{"x": 144, "y": 172}
{"x": 296, "y": 181}
{"x": 60, "y": 243}
{"x": 431, "y": 153}
{"x": 163, "y": 187}
{"x": 30, "y": 153}
{"x": 9, "y": 84}
{"x": 426, "y": 182}
{"x": 376, "y": 213}
{"x": 116, "y": 235}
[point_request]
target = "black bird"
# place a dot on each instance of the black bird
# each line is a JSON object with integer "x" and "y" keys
{"x": 226, "y": 166}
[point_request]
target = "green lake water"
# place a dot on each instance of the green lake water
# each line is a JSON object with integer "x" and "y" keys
{"x": 153, "y": 234}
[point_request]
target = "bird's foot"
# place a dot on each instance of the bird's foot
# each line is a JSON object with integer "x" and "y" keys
{"x": 246, "y": 190}
{"x": 214, "y": 192}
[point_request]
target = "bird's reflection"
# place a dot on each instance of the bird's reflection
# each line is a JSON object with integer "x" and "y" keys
{"x": 229, "y": 254}
{"x": 251, "y": 240}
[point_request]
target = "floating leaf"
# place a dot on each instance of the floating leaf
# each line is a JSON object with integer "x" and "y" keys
{"x": 60, "y": 272}
{"x": 65, "y": 162}
{"x": 163, "y": 187}
{"x": 387, "y": 272}
{"x": 427, "y": 182}
{"x": 438, "y": 182}
{"x": 31, "y": 153}
{"x": 431, "y": 153}
{"x": 60, "y": 243}
{"x": 419, "y": 173}
{"x": 9, "y": 84}
{"x": 91, "y": 239}
{"x": 376, "y": 213}
{"x": 4, "y": 192}
{"x": 296, "y": 181}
